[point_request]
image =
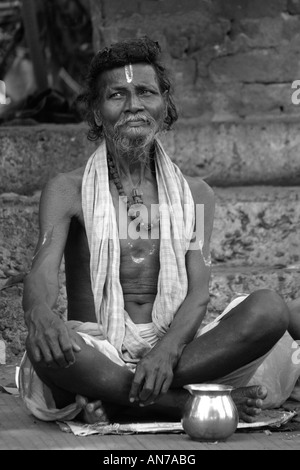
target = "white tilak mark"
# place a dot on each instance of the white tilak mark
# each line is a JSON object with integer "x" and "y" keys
{"x": 46, "y": 241}
{"x": 207, "y": 260}
{"x": 137, "y": 260}
{"x": 128, "y": 73}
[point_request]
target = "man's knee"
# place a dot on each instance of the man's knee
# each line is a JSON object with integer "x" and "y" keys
{"x": 38, "y": 365}
{"x": 28, "y": 350}
{"x": 269, "y": 314}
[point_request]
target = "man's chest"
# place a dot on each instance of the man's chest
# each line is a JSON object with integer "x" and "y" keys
{"x": 139, "y": 236}
{"x": 138, "y": 218}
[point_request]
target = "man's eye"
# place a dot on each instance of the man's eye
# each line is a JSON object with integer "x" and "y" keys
{"x": 118, "y": 94}
{"x": 146, "y": 92}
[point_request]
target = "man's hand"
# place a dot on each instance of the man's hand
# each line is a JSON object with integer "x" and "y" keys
{"x": 48, "y": 338}
{"x": 153, "y": 376}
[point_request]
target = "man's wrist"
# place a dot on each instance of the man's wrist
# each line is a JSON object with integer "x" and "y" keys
{"x": 172, "y": 347}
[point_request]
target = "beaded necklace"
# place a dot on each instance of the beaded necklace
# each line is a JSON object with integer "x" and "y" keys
{"x": 136, "y": 195}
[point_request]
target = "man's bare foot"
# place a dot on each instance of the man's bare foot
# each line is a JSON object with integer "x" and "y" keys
{"x": 92, "y": 412}
{"x": 249, "y": 401}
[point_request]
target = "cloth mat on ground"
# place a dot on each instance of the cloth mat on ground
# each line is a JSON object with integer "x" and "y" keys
{"x": 268, "y": 419}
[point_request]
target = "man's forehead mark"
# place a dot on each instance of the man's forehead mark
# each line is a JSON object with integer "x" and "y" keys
{"x": 129, "y": 73}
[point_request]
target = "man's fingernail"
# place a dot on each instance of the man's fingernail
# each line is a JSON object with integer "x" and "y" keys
{"x": 131, "y": 400}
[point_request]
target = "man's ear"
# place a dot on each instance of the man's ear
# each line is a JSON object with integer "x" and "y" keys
{"x": 97, "y": 118}
{"x": 165, "y": 96}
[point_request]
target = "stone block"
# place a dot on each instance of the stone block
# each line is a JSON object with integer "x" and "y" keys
{"x": 30, "y": 156}
{"x": 266, "y": 98}
{"x": 236, "y": 9}
{"x": 169, "y": 7}
{"x": 290, "y": 26}
{"x": 260, "y": 32}
{"x": 115, "y": 9}
{"x": 18, "y": 233}
{"x": 189, "y": 105}
{"x": 184, "y": 75}
{"x": 259, "y": 65}
{"x": 257, "y": 226}
{"x": 240, "y": 153}
{"x": 228, "y": 282}
{"x": 293, "y": 7}
{"x": 225, "y": 101}
{"x": 235, "y": 152}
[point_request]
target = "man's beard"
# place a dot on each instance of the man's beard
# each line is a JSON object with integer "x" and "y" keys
{"x": 135, "y": 143}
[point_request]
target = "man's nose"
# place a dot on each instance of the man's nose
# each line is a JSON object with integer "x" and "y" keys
{"x": 133, "y": 103}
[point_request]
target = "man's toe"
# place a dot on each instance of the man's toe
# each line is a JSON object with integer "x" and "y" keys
{"x": 255, "y": 391}
{"x": 257, "y": 403}
{"x": 251, "y": 411}
{"x": 81, "y": 401}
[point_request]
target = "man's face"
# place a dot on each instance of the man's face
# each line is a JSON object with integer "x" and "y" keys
{"x": 131, "y": 105}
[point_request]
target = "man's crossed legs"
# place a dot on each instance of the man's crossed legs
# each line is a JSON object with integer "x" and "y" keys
{"x": 245, "y": 334}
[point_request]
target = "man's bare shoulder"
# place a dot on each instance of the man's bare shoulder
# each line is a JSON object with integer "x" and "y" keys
{"x": 63, "y": 191}
{"x": 202, "y": 193}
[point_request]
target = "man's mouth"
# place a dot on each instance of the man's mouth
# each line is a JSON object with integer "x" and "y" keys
{"x": 137, "y": 123}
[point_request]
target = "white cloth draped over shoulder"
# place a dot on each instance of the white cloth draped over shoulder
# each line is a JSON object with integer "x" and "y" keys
{"x": 177, "y": 220}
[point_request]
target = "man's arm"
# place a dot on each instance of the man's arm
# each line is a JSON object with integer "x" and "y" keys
{"x": 154, "y": 372}
{"x": 294, "y": 326}
{"x": 48, "y": 339}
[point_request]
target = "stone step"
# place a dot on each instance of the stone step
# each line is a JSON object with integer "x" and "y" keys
{"x": 229, "y": 281}
{"x": 254, "y": 226}
{"x": 242, "y": 152}
{"x": 257, "y": 225}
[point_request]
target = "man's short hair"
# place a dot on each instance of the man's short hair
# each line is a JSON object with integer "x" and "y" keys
{"x": 132, "y": 51}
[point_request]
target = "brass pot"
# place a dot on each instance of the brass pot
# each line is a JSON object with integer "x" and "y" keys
{"x": 210, "y": 413}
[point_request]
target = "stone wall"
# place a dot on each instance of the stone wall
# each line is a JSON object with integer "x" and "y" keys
{"x": 228, "y": 58}
{"x": 224, "y": 154}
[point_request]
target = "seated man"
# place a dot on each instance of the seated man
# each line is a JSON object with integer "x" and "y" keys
{"x": 137, "y": 266}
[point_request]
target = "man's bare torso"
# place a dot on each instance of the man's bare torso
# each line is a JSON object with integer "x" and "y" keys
{"x": 139, "y": 262}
